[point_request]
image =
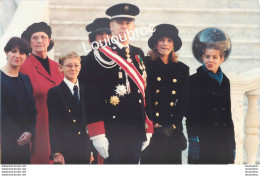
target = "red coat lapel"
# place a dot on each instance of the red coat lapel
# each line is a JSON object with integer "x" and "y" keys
{"x": 41, "y": 70}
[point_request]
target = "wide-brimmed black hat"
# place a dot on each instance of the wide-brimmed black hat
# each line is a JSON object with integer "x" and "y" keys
{"x": 98, "y": 26}
{"x": 123, "y": 11}
{"x": 165, "y": 30}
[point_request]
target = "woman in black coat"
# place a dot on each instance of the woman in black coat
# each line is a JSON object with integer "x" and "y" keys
{"x": 18, "y": 111}
{"x": 209, "y": 123}
{"x": 168, "y": 83}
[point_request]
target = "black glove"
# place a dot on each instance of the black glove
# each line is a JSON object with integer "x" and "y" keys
{"x": 194, "y": 150}
{"x": 163, "y": 133}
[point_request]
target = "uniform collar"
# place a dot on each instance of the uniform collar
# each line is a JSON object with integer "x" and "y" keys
{"x": 120, "y": 45}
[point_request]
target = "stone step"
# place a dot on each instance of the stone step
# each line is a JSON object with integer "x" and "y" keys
{"x": 187, "y": 31}
{"x": 170, "y": 15}
{"x": 165, "y": 3}
{"x": 239, "y": 47}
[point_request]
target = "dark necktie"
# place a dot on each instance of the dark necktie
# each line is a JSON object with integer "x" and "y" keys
{"x": 76, "y": 93}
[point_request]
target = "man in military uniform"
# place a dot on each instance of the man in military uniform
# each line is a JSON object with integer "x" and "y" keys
{"x": 99, "y": 31}
{"x": 117, "y": 101}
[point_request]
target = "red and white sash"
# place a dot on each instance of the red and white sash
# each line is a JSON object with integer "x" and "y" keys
{"x": 130, "y": 69}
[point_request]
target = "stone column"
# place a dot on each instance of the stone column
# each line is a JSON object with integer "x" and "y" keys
{"x": 238, "y": 87}
{"x": 251, "y": 126}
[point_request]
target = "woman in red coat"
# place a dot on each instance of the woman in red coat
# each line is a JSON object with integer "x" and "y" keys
{"x": 44, "y": 74}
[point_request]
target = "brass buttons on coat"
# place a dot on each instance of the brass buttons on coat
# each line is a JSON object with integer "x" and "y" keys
{"x": 138, "y": 91}
{"x": 157, "y": 114}
{"x": 114, "y": 117}
{"x": 69, "y": 110}
{"x": 171, "y": 104}
{"x": 157, "y": 91}
{"x": 173, "y": 92}
{"x": 79, "y": 133}
{"x": 159, "y": 78}
{"x": 174, "y": 80}
{"x": 140, "y": 101}
{"x": 74, "y": 120}
{"x": 156, "y": 103}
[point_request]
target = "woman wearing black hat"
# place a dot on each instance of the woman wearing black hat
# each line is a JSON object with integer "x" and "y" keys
{"x": 44, "y": 74}
{"x": 168, "y": 82}
{"x": 18, "y": 110}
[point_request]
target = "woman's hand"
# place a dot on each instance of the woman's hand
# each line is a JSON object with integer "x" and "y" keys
{"x": 24, "y": 139}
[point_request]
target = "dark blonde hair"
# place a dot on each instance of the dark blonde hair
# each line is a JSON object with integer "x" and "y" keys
{"x": 154, "y": 54}
{"x": 215, "y": 47}
{"x": 70, "y": 55}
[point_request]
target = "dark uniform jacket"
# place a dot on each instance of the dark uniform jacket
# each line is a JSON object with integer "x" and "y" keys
{"x": 67, "y": 125}
{"x": 18, "y": 115}
{"x": 126, "y": 120}
{"x": 209, "y": 118}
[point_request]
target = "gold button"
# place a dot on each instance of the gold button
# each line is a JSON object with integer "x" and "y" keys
{"x": 79, "y": 133}
{"x": 157, "y": 114}
{"x": 69, "y": 110}
{"x": 114, "y": 117}
{"x": 140, "y": 101}
{"x": 74, "y": 120}
{"x": 159, "y": 78}
{"x": 157, "y": 91}
{"x": 171, "y": 115}
{"x": 173, "y": 126}
{"x": 174, "y": 80}
{"x": 173, "y": 92}
{"x": 156, "y": 103}
{"x": 138, "y": 91}
{"x": 171, "y": 104}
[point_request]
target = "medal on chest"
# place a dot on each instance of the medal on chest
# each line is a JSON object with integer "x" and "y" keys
{"x": 120, "y": 73}
{"x": 128, "y": 59}
{"x": 141, "y": 67}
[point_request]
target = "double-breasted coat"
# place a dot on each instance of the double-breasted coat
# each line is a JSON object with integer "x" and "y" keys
{"x": 42, "y": 81}
{"x": 209, "y": 118}
{"x": 67, "y": 125}
{"x": 124, "y": 121}
{"x": 169, "y": 89}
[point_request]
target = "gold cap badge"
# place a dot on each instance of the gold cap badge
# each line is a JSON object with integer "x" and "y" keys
{"x": 126, "y": 8}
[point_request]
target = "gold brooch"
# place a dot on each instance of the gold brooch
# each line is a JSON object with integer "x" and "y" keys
{"x": 114, "y": 100}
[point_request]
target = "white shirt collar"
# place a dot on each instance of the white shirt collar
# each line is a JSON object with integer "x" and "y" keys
{"x": 71, "y": 85}
{"x": 120, "y": 45}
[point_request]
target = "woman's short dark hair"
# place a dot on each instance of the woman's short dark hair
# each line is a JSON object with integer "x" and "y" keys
{"x": 22, "y": 44}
